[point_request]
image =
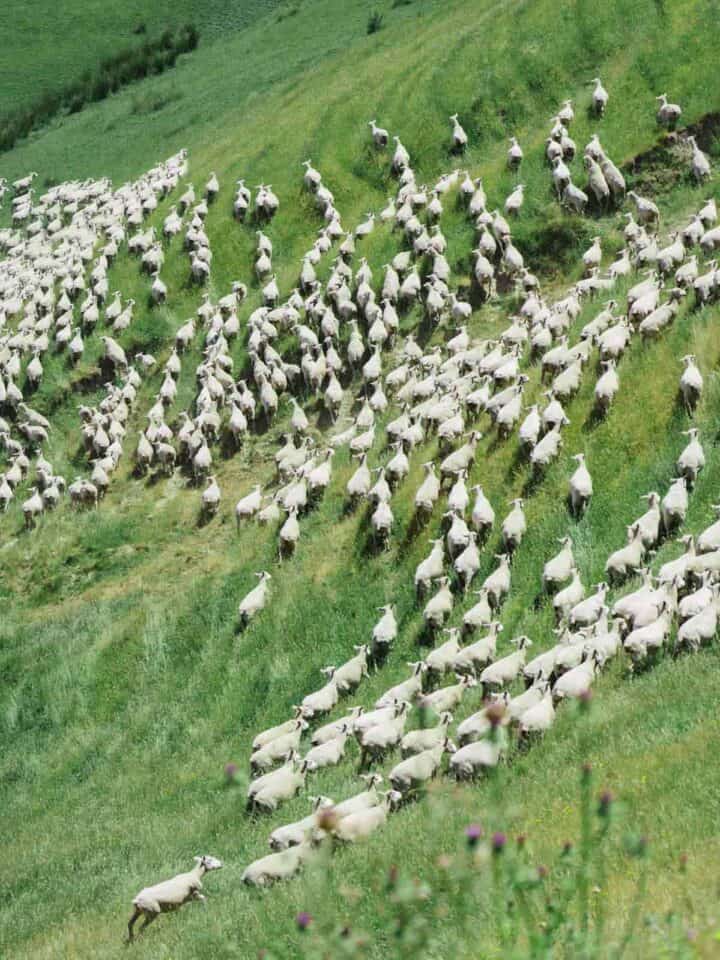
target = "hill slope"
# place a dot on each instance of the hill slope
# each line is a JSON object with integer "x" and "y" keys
{"x": 126, "y": 685}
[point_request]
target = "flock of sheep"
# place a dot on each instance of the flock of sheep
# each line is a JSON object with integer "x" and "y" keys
{"x": 345, "y": 331}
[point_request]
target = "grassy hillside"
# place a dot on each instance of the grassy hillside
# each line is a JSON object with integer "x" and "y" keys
{"x": 49, "y": 47}
{"x": 126, "y": 686}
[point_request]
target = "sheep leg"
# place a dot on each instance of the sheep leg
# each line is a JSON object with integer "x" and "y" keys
{"x": 149, "y": 917}
{"x": 136, "y": 913}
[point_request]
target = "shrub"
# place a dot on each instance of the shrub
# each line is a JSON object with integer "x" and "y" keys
{"x": 375, "y": 22}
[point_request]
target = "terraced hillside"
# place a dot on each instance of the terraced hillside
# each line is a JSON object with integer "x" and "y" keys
{"x": 128, "y": 682}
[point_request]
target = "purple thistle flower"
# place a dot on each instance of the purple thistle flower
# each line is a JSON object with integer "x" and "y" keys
{"x": 498, "y": 842}
{"x": 606, "y": 800}
{"x": 473, "y": 833}
{"x": 231, "y": 770}
{"x": 303, "y": 920}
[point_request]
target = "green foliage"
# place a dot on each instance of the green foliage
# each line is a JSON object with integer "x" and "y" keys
{"x": 375, "y": 22}
{"x": 125, "y": 67}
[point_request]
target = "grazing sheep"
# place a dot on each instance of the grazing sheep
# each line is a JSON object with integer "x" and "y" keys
{"x": 266, "y": 792}
{"x": 441, "y": 659}
{"x": 478, "y": 755}
{"x": 328, "y": 754}
{"x": 384, "y": 632}
{"x": 439, "y": 607}
{"x": 171, "y": 894}
{"x": 674, "y": 505}
{"x": 514, "y": 526}
{"x": 322, "y": 700}
{"x": 416, "y": 741}
{"x": 628, "y": 559}
{"x": 267, "y": 755}
{"x": 380, "y": 136}
{"x": 476, "y": 656}
{"x": 668, "y": 114}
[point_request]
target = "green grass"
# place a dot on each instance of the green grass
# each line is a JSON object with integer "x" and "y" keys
{"x": 125, "y": 685}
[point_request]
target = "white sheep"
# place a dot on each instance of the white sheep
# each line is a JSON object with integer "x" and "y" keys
{"x": 599, "y": 97}
{"x": 581, "y": 486}
{"x": 256, "y": 599}
{"x": 418, "y": 769}
{"x": 406, "y": 690}
{"x": 171, "y": 894}
{"x": 427, "y": 737}
{"x": 361, "y": 823}
{"x": 385, "y": 631}
{"x": 302, "y": 831}
{"x": 330, "y": 753}
{"x": 674, "y": 505}
{"x": 277, "y": 866}
{"x": 266, "y": 756}
{"x": 503, "y": 671}
{"x": 476, "y": 656}
{"x": 322, "y": 700}
{"x": 560, "y": 568}
{"x": 692, "y": 459}
{"x": 691, "y": 382}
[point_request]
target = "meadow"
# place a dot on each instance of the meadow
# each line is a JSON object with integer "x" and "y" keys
{"x": 126, "y": 685}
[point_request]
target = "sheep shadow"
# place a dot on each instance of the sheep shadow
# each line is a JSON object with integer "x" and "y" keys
{"x": 596, "y": 416}
{"x": 418, "y": 522}
{"x": 533, "y": 482}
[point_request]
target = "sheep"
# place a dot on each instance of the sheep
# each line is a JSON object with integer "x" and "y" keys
{"x": 211, "y": 497}
{"x": 581, "y": 486}
{"x": 302, "y": 831}
{"x": 673, "y": 507}
{"x": 333, "y": 729}
{"x": 650, "y": 638}
{"x": 576, "y": 682}
{"x": 266, "y": 756}
{"x": 380, "y": 136}
{"x": 514, "y": 154}
{"x": 514, "y": 526}
{"x": 272, "y": 733}
{"x": 447, "y": 698}
{"x": 370, "y": 797}
{"x": 478, "y": 614}
{"x": 265, "y": 793}
{"x": 476, "y": 656}
{"x": 503, "y": 671}
{"x": 565, "y": 599}
{"x": 574, "y": 198}
{"x": 358, "y": 825}
{"x": 709, "y": 539}
{"x": 322, "y": 700}
{"x": 277, "y": 866}
{"x": 606, "y": 387}
{"x": 328, "y": 754}
{"x": 691, "y": 383}
{"x": 692, "y": 459}
{"x": 406, "y": 690}
{"x": 544, "y": 452}
{"x": 647, "y": 211}
{"x": 694, "y": 603}
{"x": 459, "y": 137}
{"x": 426, "y": 738}
{"x": 497, "y": 583}
{"x": 351, "y": 673}
{"x": 599, "y": 97}
{"x": 428, "y": 491}
{"x": 483, "y": 516}
{"x": 560, "y": 568}
{"x": 412, "y": 772}
{"x": 377, "y": 739}
{"x": 256, "y": 599}
{"x": 439, "y": 607}
{"x": 441, "y": 659}
{"x": 702, "y": 627}
{"x": 171, "y": 894}
{"x": 588, "y": 611}
{"x": 538, "y": 718}
{"x": 478, "y": 755}
{"x": 668, "y": 114}
{"x": 32, "y": 507}
{"x": 462, "y": 459}
{"x": 629, "y": 558}
{"x": 384, "y": 632}
{"x": 682, "y": 565}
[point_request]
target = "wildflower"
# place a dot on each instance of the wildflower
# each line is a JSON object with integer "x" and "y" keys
{"x": 606, "y": 800}
{"x": 495, "y": 713}
{"x": 231, "y": 770}
{"x": 520, "y": 840}
{"x": 683, "y": 862}
{"x": 473, "y": 832}
{"x": 586, "y": 771}
{"x": 567, "y": 848}
{"x": 392, "y": 877}
{"x": 542, "y": 871}
{"x": 303, "y": 920}
{"x": 498, "y": 842}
